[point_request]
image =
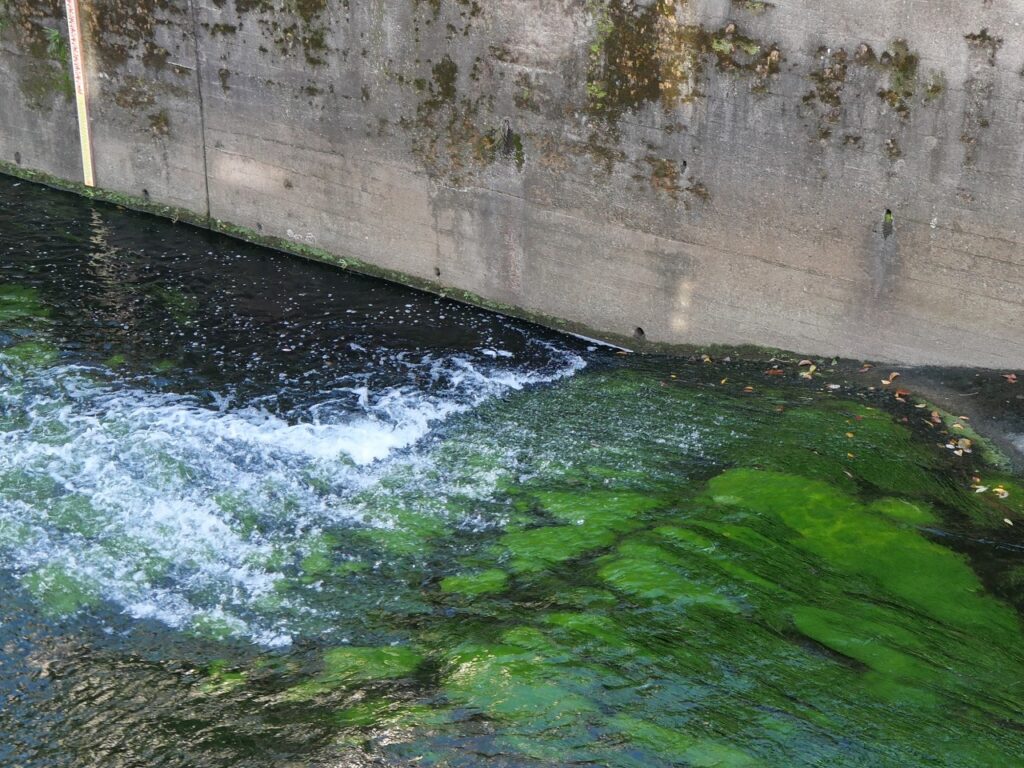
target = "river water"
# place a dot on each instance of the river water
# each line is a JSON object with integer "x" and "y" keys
{"x": 255, "y": 511}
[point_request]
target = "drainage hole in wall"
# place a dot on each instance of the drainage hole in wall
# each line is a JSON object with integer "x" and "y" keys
{"x": 259, "y": 227}
{"x": 887, "y": 222}
{"x": 437, "y": 271}
{"x": 17, "y": 158}
{"x": 639, "y": 333}
{"x": 145, "y": 194}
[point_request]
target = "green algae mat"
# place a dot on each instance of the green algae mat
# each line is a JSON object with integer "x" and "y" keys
{"x": 378, "y": 528}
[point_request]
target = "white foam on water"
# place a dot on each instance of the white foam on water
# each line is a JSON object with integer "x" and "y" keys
{"x": 175, "y": 511}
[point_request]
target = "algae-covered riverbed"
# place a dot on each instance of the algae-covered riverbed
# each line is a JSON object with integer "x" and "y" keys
{"x": 258, "y": 512}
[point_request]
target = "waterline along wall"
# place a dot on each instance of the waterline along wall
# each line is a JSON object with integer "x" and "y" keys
{"x": 841, "y": 177}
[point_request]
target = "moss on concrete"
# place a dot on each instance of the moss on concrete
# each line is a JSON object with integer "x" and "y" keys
{"x": 935, "y": 88}
{"x": 665, "y": 176}
{"x": 900, "y": 66}
{"x": 753, "y": 6}
{"x": 647, "y": 55}
{"x": 31, "y": 23}
{"x": 829, "y": 78}
{"x": 825, "y": 98}
{"x": 295, "y": 26}
{"x": 39, "y": 30}
{"x": 985, "y": 42}
{"x": 134, "y": 93}
{"x": 160, "y": 123}
{"x": 121, "y": 30}
{"x": 456, "y": 135}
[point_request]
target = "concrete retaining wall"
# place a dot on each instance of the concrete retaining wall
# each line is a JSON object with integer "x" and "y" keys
{"x": 703, "y": 170}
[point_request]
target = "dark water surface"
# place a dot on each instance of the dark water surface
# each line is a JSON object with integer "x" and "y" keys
{"x": 255, "y": 511}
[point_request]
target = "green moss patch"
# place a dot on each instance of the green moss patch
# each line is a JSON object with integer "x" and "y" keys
{"x": 676, "y": 743}
{"x": 851, "y": 540}
{"x": 19, "y": 306}
{"x": 513, "y": 683}
{"x": 653, "y": 573}
{"x": 483, "y": 583}
{"x": 347, "y": 666}
{"x": 60, "y": 591}
{"x": 28, "y": 356}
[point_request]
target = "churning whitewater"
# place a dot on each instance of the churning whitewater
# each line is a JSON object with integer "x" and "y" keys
{"x": 186, "y": 512}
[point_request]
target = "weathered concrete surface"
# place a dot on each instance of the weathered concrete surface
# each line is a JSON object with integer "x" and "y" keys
{"x": 38, "y": 126}
{"x": 703, "y": 170}
{"x": 145, "y": 106}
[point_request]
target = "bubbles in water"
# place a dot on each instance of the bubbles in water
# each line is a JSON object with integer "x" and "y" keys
{"x": 193, "y": 513}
